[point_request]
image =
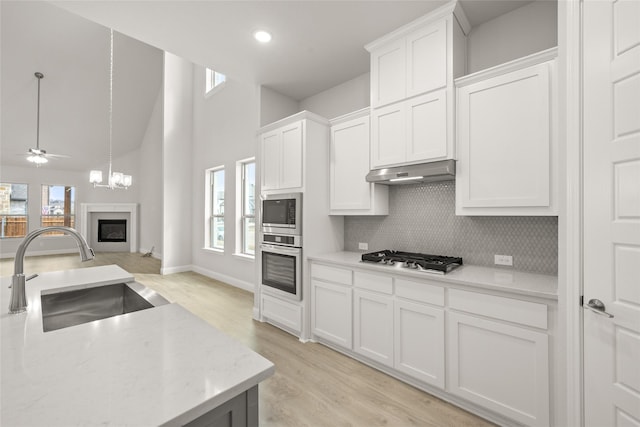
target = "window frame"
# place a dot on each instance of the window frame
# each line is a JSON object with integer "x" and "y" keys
{"x": 211, "y": 215}
{"x": 210, "y": 78}
{"x": 72, "y": 208}
{"x": 14, "y": 215}
{"x": 242, "y": 218}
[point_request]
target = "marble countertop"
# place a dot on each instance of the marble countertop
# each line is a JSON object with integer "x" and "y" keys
{"x": 160, "y": 366}
{"x": 487, "y": 278}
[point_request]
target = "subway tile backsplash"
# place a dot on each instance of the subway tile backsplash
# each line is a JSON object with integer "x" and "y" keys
{"x": 422, "y": 219}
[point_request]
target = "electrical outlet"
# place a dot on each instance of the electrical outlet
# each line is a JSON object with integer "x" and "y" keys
{"x": 363, "y": 246}
{"x": 503, "y": 260}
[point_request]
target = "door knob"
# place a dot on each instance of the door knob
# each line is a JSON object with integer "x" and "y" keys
{"x": 598, "y": 307}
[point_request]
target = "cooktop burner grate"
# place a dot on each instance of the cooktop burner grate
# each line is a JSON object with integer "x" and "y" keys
{"x": 433, "y": 263}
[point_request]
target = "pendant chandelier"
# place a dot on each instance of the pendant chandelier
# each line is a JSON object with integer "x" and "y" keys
{"x": 117, "y": 180}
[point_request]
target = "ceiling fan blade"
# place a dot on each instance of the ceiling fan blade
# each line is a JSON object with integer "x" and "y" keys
{"x": 58, "y": 156}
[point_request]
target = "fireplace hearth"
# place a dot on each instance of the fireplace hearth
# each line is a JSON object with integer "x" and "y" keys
{"x": 112, "y": 230}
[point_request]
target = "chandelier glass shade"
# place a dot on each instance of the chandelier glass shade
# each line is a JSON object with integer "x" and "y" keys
{"x": 116, "y": 180}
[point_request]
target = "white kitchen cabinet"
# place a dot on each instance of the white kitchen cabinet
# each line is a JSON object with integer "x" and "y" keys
{"x": 350, "y": 193}
{"x": 282, "y": 151}
{"x": 415, "y": 63}
{"x": 507, "y": 139}
{"x": 419, "y": 341}
{"x": 412, "y": 91}
{"x": 373, "y": 326}
{"x": 411, "y": 131}
{"x": 499, "y": 365}
{"x": 331, "y": 313}
{"x": 285, "y": 314}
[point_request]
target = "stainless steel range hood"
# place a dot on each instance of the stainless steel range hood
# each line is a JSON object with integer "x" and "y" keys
{"x": 442, "y": 170}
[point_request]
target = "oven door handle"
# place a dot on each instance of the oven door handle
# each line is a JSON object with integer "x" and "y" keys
{"x": 281, "y": 249}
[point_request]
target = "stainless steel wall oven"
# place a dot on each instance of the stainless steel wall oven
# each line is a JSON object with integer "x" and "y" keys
{"x": 282, "y": 270}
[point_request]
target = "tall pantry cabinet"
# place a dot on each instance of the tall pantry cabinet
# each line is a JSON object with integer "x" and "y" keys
{"x": 412, "y": 91}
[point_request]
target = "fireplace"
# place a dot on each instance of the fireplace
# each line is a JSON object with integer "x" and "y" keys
{"x": 112, "y": 230}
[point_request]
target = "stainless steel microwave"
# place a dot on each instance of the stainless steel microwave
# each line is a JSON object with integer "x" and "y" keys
{"x": 282, "y": 213}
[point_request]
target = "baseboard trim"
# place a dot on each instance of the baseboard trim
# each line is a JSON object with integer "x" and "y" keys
{"x": 247, "y": 286}
{"x": 42, "y": 253}
{"x": 178, "y": 269}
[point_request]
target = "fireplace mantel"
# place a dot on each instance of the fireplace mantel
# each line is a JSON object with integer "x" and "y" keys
{"x": 132, "y": 208}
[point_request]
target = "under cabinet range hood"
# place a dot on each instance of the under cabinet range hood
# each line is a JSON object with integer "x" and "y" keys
{"x": 442, "y": 170}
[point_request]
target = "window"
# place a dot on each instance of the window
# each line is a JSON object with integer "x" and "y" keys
{"x": 213, "y": 80}
{"x": 13, "y": 210}
{"x": 216, "y": 208}
{"x": 58, "y": 206}
{"x": 247, "y": 169}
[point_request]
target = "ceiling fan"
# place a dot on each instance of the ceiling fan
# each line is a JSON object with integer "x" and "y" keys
{"x": 38, "y": 155}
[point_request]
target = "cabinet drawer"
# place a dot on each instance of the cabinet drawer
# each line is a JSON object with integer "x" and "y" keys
{"x": 420, "y": 291}
{"x": 511, "y": 310}
{"x": 331, "y": 274}
{"x": 373, "y": 282}
{"x": 282, "y": 312}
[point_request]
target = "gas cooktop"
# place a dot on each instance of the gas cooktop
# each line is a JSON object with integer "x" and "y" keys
{"x": 422, "y": 262}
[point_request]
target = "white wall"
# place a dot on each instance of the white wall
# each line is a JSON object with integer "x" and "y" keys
{"x": 524, "y": 31}
{"x": 225, "y": 126}
{"x": 150, "y": 213}
{"x": 349, "y": 96}
{"x": 275, "y": 106}
{"x": 176, "y": 164}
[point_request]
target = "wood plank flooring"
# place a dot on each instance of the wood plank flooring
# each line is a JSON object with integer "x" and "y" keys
{"x": 313, "y": 385}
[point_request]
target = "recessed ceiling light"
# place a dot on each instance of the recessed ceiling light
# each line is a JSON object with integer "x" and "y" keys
{"x": 262, "y": 36}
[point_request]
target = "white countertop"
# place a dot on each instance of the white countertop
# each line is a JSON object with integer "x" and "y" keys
{"x": 160, "y": 366}
{"x": 494, "y": 279}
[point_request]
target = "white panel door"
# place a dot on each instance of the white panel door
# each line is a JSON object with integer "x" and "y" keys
{"x": 427, "y": 127}
{"x": 388, "y": 135}
{"x": 504, "y": 140}
{"x": 612, "y": 212}
{"x": 373, "y": 326}
{"x": 419, "y": 341}
{"x": 271, "y": 148}
{"x": 388, "y": 73}
{"x": 499, "y": 366}
{"x": 331, "y": 314}
{"x": 349, "y": 165}
{"x": 427, "y": 59}
{"x": 291, "y": 156}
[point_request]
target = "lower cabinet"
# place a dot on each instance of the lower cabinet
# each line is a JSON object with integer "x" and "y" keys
{"x": 240, "y": 411}
{"x": 283, "y": 313}
{"x": 501, "y": 367}
{"x": 331, "y": 313}
{"x": 419, "y": 341}
{"x": 373, "y": 326}
{"x": 478, "y": 349}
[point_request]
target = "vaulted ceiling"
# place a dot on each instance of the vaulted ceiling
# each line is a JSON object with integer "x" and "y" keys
{"x": 316, "y": 45}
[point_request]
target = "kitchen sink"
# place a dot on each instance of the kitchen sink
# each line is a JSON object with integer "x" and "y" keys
{"x": 78, "y": 306}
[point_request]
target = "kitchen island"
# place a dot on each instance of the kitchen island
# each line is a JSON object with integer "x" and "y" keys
{"x": 158, "y": 366}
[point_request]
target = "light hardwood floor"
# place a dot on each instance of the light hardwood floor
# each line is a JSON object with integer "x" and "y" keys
{"x": 313, "y": 385}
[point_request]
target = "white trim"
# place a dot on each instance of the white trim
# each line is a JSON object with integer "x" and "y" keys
{"x": 302, "y": 115}
{"x": 350, "y": 116}
{"x": 247, "y": 286}
{"x": 214, "y": 250}
{"x": 31, "y": 253}
{"x": 570, "y": 230}
{"x": 244, "y": 257}
{"x": 178, "y": 269}
{"x": 131, "y": 208}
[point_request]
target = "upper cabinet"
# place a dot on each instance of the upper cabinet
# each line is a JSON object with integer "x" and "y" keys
{"x": 283, "y": 146}
{"x": 507, "y": 139}
{"x": 349, "y": 192}
{"x": 412, "y": 91}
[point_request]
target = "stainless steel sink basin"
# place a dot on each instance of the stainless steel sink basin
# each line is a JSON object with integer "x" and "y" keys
{"x": 74, "y": 307}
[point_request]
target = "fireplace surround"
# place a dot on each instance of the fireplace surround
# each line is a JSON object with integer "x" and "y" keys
{"x": 87, "y": 209}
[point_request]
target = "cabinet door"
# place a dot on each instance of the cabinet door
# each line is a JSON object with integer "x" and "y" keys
{"x": 373, "y": 326}
{"x": 505, "y": 140}
{"x": 349, "y": 165}
{"x": 419, "y": 341}
{"x": 388, "y": 135}
{"x": 331, "y": 313}
{"x": 270, "y": 160}
{"x": 388, "y": 73}
{"x": 427, "y": 59}
{"x": 291, "y": 156}
{"x": 427, "y": 127}
{"x": 501, "y": 367}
